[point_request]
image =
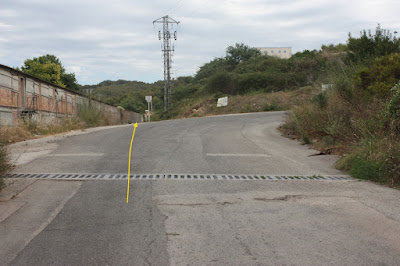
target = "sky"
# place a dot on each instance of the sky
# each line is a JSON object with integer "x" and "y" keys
{"x": 110, "y": 40}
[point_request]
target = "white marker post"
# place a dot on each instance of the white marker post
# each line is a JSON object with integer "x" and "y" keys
{"x": 149, "y": 101}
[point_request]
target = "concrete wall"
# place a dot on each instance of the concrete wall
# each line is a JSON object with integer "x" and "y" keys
{"x": 281, "y": 52}
{"x": 25, "y": 95}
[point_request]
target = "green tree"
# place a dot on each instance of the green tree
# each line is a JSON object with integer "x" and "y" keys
{"x": 69, "y": 80}
{"x": 240, "y": 53}
{"x": 370, "y": 45}
{"x": 210, "y": 68}
{"x": 50, "y": 68}
{"x": 47, "y": 71}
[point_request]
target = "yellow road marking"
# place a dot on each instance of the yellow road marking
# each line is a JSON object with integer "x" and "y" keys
{"x": 129, "y": 163}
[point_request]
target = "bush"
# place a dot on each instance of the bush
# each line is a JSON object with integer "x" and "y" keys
{"x": 223, "y": 82}
{"x": 376, "y": 159}
{"x": 381, "y": 76}
{"x": 255, "y": 82}
{"x": 365, "y": 169}
{"x": 267, "y": 82}
{"x": 320, "y": 100}
{"x": 394, "y": 103}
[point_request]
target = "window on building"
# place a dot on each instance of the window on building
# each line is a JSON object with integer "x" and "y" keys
{"x": 272, "y": 52}
{"x": 279, "y": 51}
{"x": 284, "y": 51}
{"x": 265, "y": 52}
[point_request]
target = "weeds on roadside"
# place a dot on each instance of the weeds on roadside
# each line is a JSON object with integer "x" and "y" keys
{"x": 25, "y": 130}
{"x": 5, "y": 165}
{"x": 91, "y": 115}
{"x": 366, "y": 129}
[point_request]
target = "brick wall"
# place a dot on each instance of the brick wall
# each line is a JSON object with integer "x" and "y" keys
{"x": 20, "y": 92}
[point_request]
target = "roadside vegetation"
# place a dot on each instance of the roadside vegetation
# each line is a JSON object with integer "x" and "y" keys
{"x": 88, "y": 116}
{"x": 359, "y": 117}
{"x": 29, "y": 129}
{"x": 5, "y": 165}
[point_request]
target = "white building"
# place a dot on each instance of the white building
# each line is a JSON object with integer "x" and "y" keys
{"x": 281, "y": 52}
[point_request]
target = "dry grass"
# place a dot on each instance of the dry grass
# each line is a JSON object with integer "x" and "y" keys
{"x": 257, "y": 102}
{"x": 5, "y": 165}
{"x": 31, "y": 130}
{"x": 363, "y": 131}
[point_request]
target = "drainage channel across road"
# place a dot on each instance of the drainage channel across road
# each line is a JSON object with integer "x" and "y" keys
{"x": 73, "y": 176}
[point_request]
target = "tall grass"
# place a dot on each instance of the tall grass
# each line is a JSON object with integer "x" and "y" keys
{"x": 366, "y": 130}
{"x": 29, "y": 129}
{"x": 5, "y": 165}
{"x": 91, "y": 115}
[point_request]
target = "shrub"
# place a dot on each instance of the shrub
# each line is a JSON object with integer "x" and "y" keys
{"x": 394, "y": 103}
{"x": 254, "y": 82}
{"x": 376, "y": 159}
{"x": 365, "y": 169}
{"x": 223, "y": 82}
{"x": 381, "y": 76}
{"x": 268, "y": 81}
{"x": 320, "y": 100}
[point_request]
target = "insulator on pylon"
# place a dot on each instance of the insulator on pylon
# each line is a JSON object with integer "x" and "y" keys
{"x": 175, "y": 36}
{"x": 159, "y": 35}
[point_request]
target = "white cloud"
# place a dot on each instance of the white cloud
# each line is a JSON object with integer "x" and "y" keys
{"x": 74, "y": 69}
{"x": 99, "y": 39}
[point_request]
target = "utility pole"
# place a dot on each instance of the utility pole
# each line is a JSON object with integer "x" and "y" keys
{"x": 167, "y": 50}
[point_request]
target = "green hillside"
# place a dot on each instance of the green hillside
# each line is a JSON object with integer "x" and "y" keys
{"x": 128, "y": 94}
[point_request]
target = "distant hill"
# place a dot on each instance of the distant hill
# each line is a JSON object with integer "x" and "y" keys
{"x": 128, "y": 94}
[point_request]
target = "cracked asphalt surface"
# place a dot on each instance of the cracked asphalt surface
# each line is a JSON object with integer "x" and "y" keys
{"x": 97, "y": 228}
{"x": 199, "y": 222}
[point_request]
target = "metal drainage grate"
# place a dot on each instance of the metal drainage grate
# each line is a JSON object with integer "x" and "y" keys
{"x": 69, "y": 176}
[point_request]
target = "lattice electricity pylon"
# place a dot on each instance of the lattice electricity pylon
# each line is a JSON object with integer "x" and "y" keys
{"x": 167, "y": 50}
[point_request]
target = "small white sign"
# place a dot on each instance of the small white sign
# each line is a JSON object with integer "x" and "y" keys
{"x": 222, "y": 101}
{"x": 149, "y": 98}
{"x": 327, "y": 86}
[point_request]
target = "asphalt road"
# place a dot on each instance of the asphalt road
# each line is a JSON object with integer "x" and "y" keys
{"x": 233, "y": 144}
{"x": 197, "y": 222}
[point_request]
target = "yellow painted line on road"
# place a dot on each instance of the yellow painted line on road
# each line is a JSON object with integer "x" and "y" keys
{"x": 129, "y": 163}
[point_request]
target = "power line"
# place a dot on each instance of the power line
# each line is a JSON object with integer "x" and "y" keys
{"x": 197, "y": 9}
{"x": 176, "y": 7}
{"x": 167, "y": 50}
